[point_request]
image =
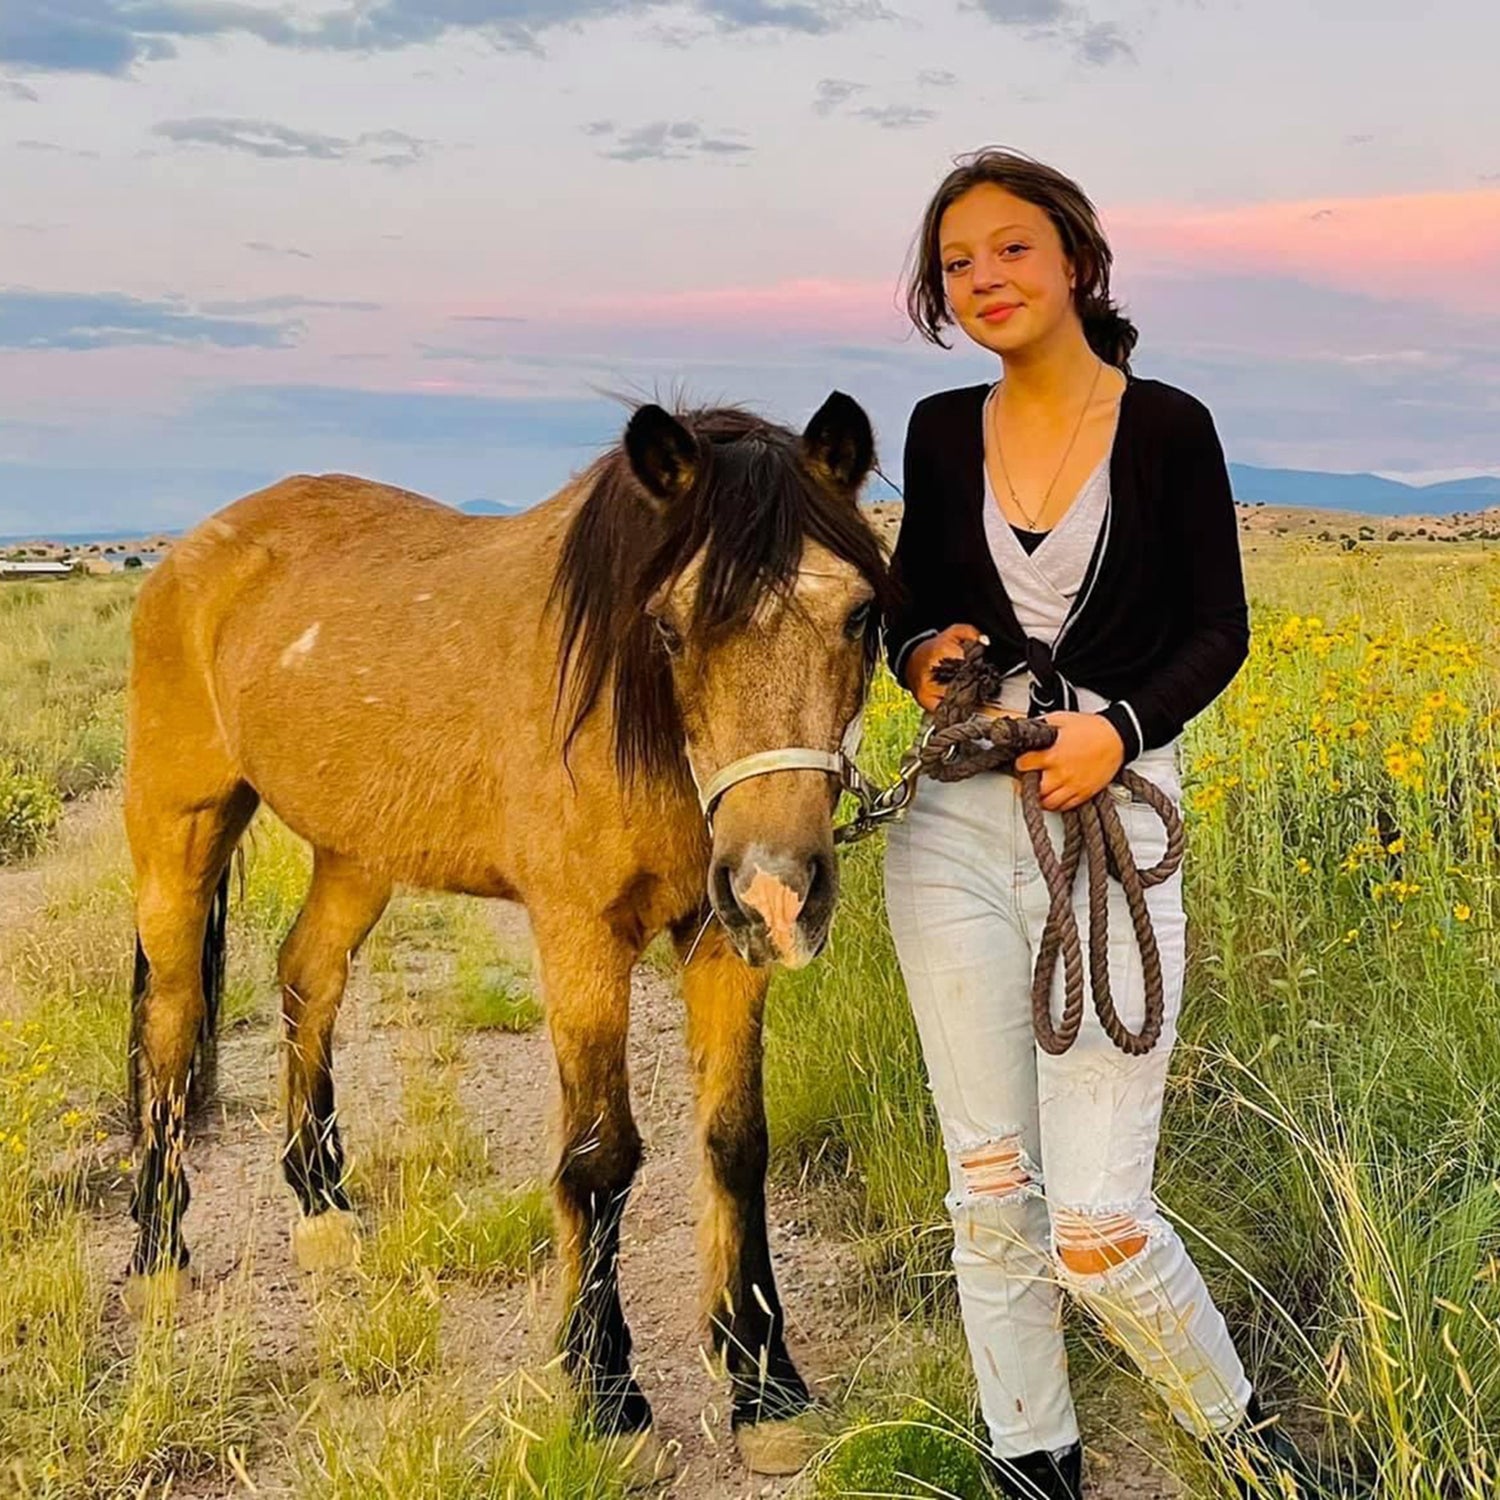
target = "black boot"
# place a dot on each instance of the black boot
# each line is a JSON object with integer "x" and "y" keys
{"x": 1042, "y": 1476}
{"x": 1261, "y": 1445}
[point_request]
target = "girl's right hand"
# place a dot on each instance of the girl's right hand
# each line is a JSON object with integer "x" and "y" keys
{"x": 944, "y": 646}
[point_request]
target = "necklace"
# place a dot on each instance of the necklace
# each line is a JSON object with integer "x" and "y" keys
{"x": 1031, "y": 521}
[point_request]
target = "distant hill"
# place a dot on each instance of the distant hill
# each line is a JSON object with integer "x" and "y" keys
{"x": 491, "y": 508}
{"x": 1314, "y": 489}
{"x": 1365, "y": 494}
{"x": 1301, "y": 489}
{"x": 77, "y": 538}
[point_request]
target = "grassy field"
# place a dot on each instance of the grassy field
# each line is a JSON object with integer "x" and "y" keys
{"x": 62, "y": 726}
{"x": 1331, "y": 1152}
{"x": 1331, "y": 1147}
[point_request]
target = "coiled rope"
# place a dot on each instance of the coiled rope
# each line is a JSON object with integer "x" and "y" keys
{"x": 966, "y": 741}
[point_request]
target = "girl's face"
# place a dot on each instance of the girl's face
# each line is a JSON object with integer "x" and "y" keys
{"x": 1008, "y": 281}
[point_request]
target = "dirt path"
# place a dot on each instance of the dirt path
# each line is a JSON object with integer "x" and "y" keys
{"x": 508, "y": 1090}
{"x": 239, "y": 1221}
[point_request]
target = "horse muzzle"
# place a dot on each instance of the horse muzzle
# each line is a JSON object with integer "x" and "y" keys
{"x": 776, "y": 906}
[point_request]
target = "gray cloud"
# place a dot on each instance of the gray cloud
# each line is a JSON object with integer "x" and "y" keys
{"x": 1101, "y": 42}
{"x": 67, "y": 320}
{"x": 10, "y": 89}
{"x": 248, "y": 306}
{"x": 394, "y": 148}
{"x": 897, "y": 116}
{"x": 833, "y": 92}
{"x": 261, "y": 247}
{"x": 1094, "y": 42}
{"x": 113, "y": 36}
{"x": 266, "y": 138}
{"x": 790, "y": 15}
{"x": 31, "y": 145}
{"x": 937, "y": 78}
{"x": 256, "y": 137}
{"x": 1025, "y": 12}
{"x": 665, "y": 140}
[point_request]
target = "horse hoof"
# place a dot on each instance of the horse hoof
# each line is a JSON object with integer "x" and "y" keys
{"x": 148, "y": 1296}
{"x": 328, "y": 1241}
{"x": 785, "y": 1446}
{"x": 639, "y": 1459}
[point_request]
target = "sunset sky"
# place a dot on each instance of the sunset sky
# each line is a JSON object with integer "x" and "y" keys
{"x": 425, "y": 240}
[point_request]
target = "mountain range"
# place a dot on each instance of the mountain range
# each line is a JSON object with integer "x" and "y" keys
{"x": 1306, "y": 489}
{"x": 1368, "y": 494}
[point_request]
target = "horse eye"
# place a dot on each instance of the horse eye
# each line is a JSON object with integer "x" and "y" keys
{"x": 859, "y": 617}
{"x": 670, "y": 638}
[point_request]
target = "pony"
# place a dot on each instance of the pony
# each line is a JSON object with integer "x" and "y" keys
{"x": 530, "y": 708}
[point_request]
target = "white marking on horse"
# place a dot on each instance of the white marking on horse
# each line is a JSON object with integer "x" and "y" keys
{"x": 778, "y": 904}
{"x": 302, "y": 645}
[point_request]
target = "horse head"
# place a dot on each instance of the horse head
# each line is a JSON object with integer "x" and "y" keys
{"x": 757, "y": 596}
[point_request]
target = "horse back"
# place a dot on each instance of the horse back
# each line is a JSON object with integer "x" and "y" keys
{"x": 383, "y": 671}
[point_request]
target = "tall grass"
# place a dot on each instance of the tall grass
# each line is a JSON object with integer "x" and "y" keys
{"x": 62, "y": 662}
{"x": 1330, "y": 1149}
{"x": 1331, "y": 1143}
{"x": 92, "y": 1406}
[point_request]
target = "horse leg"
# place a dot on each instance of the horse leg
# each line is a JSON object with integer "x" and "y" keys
{"x": 586, "y": 985}
{"x": 181, "y": 853}
{"x": 343, "y": 903}
{"x": 775, "y": 1430}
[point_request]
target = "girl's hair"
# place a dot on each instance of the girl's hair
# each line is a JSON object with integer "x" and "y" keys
{"x": 1110, "y": 333}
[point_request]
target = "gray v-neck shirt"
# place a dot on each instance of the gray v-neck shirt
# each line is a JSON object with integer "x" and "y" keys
{"x": 1042, "y": 584}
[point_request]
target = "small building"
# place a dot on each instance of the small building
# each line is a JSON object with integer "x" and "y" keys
{"x": 31, "y": 569}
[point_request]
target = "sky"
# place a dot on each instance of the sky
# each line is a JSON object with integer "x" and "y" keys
{"x": 435, "y": 242}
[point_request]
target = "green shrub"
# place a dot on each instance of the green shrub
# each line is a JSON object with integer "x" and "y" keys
{"x": 918, "y": 1454}
{"x": 29, "y": 811}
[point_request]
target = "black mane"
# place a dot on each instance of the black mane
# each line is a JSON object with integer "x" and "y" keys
{"x": 751, "y": 509}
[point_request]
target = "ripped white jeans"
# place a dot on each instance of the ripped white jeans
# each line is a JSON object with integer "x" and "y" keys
{"x": 1050, "y": 1158}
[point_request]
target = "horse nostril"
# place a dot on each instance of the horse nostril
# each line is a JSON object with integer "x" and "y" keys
{"x": 819, "y": 878}
{"x": 721, "y": 888}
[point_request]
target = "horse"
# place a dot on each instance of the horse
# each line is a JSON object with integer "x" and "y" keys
{"x": 540, "y": 708}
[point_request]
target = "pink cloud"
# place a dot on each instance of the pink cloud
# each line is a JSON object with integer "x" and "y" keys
{"x": 1442, "y": 248}
{"x": 1434, "y": 247}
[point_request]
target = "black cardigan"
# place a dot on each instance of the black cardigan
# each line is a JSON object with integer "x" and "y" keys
{"x": 1160, "y": 624}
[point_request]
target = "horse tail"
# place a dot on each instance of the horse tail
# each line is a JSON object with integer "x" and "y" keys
{"x": 203, "y": 1079}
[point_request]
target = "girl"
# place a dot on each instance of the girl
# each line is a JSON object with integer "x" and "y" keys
{"x": 1079, "y": 522}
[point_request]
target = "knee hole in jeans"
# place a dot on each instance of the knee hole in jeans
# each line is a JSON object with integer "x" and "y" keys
{"x": 997, "y": 1169}
{"x": 1090, "y": 1243}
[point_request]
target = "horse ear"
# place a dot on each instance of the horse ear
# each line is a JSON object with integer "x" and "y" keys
{"x": 839, "y": 444}
{"x": 663, "y": 454}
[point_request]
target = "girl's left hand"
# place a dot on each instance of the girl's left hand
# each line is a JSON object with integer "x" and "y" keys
{"x": 1080, "y": 762}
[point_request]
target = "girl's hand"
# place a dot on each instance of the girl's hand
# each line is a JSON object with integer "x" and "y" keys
{"x": 945, "y": 646}
{"x": 1080, "y": 763}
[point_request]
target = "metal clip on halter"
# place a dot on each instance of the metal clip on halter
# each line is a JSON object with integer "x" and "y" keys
{"x": 879, "y": 805}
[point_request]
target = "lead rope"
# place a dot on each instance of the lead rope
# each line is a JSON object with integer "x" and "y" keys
{"x": 964, "y": 741}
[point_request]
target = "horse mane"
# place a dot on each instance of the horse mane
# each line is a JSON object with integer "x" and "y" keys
{"x": 750, "y": 511}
